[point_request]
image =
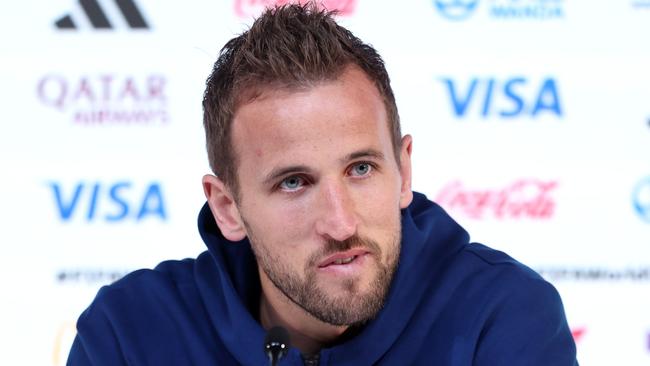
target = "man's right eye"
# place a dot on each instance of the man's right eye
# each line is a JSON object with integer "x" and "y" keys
{"x": 292, "y": 183}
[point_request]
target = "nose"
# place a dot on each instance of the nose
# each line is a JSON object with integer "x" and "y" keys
{"x": 337, "y": 218}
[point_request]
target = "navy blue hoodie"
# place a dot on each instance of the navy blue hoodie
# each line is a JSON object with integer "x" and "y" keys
{"x": 451, "y": 303}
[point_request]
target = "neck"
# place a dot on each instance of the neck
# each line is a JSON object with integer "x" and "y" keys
{"x": 308, "y": 334}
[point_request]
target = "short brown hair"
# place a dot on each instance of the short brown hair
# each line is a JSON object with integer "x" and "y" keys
{"x": 291, "y": 46}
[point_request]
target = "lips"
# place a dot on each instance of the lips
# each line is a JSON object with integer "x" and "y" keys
{"x": 342, "y": 258}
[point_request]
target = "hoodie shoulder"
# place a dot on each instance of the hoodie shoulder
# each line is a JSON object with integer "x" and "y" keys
{"x": 130, "y": 318}
{"x": 522, "y": 315}
{"x": 499, "y": 261}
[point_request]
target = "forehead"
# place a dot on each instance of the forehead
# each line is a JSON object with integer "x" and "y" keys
{"x": 324, "y": 118}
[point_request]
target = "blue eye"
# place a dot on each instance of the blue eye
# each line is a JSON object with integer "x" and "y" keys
{"x": 292, "y": 183}
{"x": 361, "y": 169}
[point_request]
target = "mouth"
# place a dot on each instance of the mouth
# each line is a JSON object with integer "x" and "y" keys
{"x": 345, "y": 258}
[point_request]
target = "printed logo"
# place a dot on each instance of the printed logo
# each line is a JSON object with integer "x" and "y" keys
{"x": 641, "y": 199}
{"x": 253, "y": 8}
{"x": 63, "y": 340}
{"x": 634, "y": 274}
{"x": 578, "y": 332}
{"x": 502, "y": 9}
{"x": 504, "y": 98}
{"x": 89, "y": 276}
{"x": 98, "y": 18}
{"x": 106, "y": 98}
{"x": 109, "y": 202}
{"x": 641, "y": 4}
{"x": 456, "y": 9}
{"x": 525, "y": 198}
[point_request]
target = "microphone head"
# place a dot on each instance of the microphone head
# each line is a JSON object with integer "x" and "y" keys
{"x": 276, "y": 343}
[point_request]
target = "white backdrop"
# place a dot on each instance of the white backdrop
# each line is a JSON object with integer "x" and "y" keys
{"x": 531, "y": 125}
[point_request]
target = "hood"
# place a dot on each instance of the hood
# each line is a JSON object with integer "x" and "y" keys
{"x": 231, "y": 291}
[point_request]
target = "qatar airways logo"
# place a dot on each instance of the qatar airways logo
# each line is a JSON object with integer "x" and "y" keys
{"x": 253, "y": 8}
{"x": 525, "y": 198}
{"x": 106, "y": 99}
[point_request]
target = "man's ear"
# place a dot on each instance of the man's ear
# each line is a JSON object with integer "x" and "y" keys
{"x": 223, "y": 207}
{"x": 406, "y": 193}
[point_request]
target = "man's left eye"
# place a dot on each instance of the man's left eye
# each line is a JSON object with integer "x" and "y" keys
{"x": 361, "y": 169}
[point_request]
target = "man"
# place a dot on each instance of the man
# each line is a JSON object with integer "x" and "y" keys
{"x": 311, "y": 225}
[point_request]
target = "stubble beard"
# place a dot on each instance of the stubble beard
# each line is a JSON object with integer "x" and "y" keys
{"x": 349, "y": 307}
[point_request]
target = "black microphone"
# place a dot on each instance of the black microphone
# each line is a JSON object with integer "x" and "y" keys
{"x": 276, "y": 344}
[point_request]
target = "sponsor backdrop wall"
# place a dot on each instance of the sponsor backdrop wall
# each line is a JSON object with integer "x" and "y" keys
{"x": 531, "y": 125}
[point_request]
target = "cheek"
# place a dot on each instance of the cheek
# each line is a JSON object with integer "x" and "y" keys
{"x": 381, "y": 216}
{"x": 283, "y": 229}
{"x": 379, "y": 202}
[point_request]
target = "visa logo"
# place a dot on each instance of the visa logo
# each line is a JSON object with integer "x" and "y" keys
{"x": 112, "y": 202}
{"x": 641, "y": 199}
{"x": 507, "y": 98}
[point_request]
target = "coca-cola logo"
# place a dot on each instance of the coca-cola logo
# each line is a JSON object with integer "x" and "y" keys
{"x": 525, "y": 198}
{"x": 106, "y": 98}
{"x": 578, "y": 333}
{"x": 248, "y": 8}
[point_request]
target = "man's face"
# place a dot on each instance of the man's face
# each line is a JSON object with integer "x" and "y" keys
{"x": 320, "y": 195}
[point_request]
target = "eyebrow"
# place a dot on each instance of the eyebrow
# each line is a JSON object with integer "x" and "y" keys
{"x": 279, "y": 172}
{"x": 293, "y": 169}
{"x": 367, "y": 153}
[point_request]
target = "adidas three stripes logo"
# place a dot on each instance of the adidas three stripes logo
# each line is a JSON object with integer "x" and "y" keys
{"x": 98, "y": 18}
